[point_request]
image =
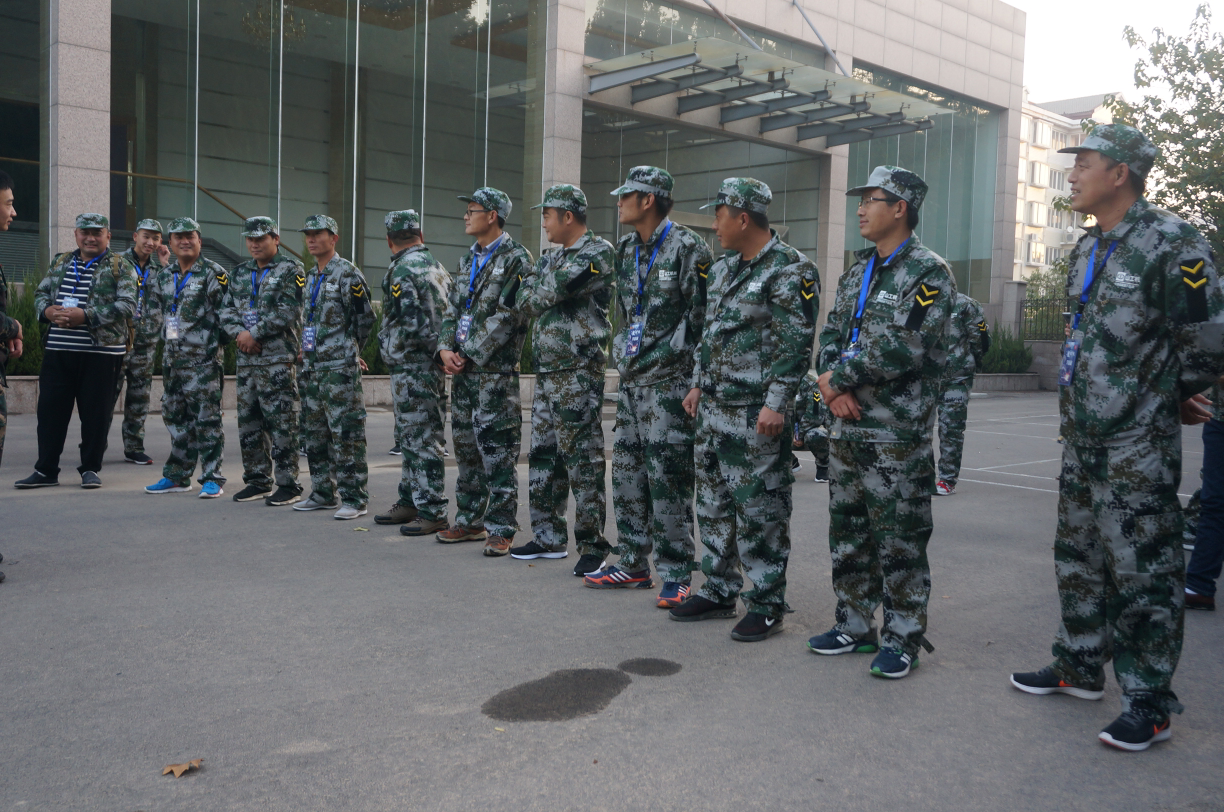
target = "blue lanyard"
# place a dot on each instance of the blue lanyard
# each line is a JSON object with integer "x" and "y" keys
{"x": 314, "y": 295}
{"x": 1089, "y": 276}
{"x": 76, "y": 269}
{"x": 862, "y": 300}
{"x": 637, "y": 265}
{"x": 255, "y": 284}
{"x": 178, "y": 288}
{"x": 478, "y": 269}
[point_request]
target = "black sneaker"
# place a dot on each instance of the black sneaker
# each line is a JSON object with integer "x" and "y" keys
{"x": 893, "y": 663}
{"x": 532, "y": 550}
{"x": 395, "y": 451}
{"x": 795, "y": 464}
{"x": 252, "y": 493}
{"x": 835, "y": 641}
{"x": 1, "y": 577}
{"x": 587, "y": 564}
{"x": 699, "y": 608}
{"x": 36, "y": 480}
{"x": 138, "y": 457}
{"x": 822, "y": 473}
{"x": 90, "y": 480}
{"x": 285, "y": 495}
{"x": 1137, "y": 729}
{"x": 1045, "y": 682}
{"x": 756, "y": 626}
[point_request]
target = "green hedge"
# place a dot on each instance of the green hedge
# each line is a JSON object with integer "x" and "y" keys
{"x": 22, "y": 308}
{"x": 1007, "y": 353}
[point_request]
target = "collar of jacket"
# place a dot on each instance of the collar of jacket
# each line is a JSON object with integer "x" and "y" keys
{"x": 734, "y": 259}
{"x": 1132, "y": 216}
{"x": 636, "y": 239}
{"x": 864, "y": 254}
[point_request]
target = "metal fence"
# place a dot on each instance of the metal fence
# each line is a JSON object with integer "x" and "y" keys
{"x": 1044, "y": 319}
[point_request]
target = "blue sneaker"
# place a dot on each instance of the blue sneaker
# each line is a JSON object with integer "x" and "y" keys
{"x": 164, "y": 485}
{"x": 672, "y": 595}
{"x": 210, "y": 490}
{"x": 892, "y": 663}
{"x": 838, "y": 642}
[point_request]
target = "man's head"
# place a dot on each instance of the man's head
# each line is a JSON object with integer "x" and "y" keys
{"x": 487, "y": 211}
{"x": 646, "y": 188}
{"x": 147, "y": 238}
{"x": 185, "y": 240}
{"x": 888, "y": 203}
{"x": 92, "y": 234}
{"x": 321, "y": 234}
{"x": 7, "y": 212}
{"x": 1111, "y": 168}
{"x": 403, "y": 229}
{"x": 563, "y": 213}
{"x": 741, "y": 212}
{"x": 262, "y": 238}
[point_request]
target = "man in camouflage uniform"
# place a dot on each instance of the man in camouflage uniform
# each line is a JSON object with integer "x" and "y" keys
{"x": 1207, "y": 542}
{"x": 880, "y": 362}
{"x": 480, "y": 345}
{"x": 263, "y": 316}
{"x": 661, "y": 272}
{"x": 811, "y": 431}
{"x": 567, "y": 293}
{"x": 338, "y": 318}
{"x": 416, "y": 290}
{"x": 148, "y": 256}
{"x": 763, "y": 297}
{"x": 11, "y": 338}
{"x": 1146, "y": 340}
{"x": 192, "y": 292}
{"x": 966, "y": 341}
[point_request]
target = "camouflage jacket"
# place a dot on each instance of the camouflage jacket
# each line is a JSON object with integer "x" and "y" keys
{"x": 198, "y": 310}
{"x": 760, "y": 320}
{"x": 147, "y": 322}
{"x": 568, "y": 293}
{"x": 673, "y": 304}
{"x": 1153, "y": 329}
{"x": 897, "y": 373}
{"x": 966, "y": 339}
{"x": 810, "y": 413}
{"x": 337, "y": 305}
{"x": 416, "y": 291}
{"x": 111, "y": 303}
{"x": 9, "y": 328}
{"x": 278, "y": 302}
{"x": 495, "y": 339}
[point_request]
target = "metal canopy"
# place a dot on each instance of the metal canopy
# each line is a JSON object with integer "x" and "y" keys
{"x": 747, "y": 83}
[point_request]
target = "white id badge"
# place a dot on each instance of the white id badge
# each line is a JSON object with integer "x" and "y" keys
{"x": 172, "y": 328}
{"x": 249, "y": 319}
{"x": 465, "y": 327}
{"x": 1071, "y": 349}
{"x": 633, "y": 341}
{"x": 308, "y": 338}
{"x": 850, "y": 353}
{"x": 71, "y": 301}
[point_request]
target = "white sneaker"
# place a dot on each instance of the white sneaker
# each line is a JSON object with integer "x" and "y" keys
{"x": 944, "y": 489}
{"x": 315, "y": 503}
{"x": 349, "y": 512}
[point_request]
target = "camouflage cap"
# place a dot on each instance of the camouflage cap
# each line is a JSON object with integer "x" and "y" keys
{"x": 182, "y": 225}
{"x": 400, "y": 220}
{"x": 259, "y": 226}
{"x": 896, "y": 181}
{"x": 320, "y": 222}
{"x": 1122, "y": 143}
{"x": 649, "y": 179}
{"x": 149, "y": 225}
{"x": 565, "y": 197}
{"x": 748, "y": 194}
{"x": 92, "y": 221}
{"x": 491, "y": 200}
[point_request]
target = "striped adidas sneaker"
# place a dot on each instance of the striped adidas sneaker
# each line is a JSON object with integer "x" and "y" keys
{"x": 614, "y": 577}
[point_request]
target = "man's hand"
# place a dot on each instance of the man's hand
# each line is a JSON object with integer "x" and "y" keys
{"x": 65, "y": 316}
{"x": 846, "y": 407}
{"x": 690, "y": 402}
{"x": 163, "y": 254}
{"x": 769, "y": 422}
{"x": 827, "y": 394}
{"x": 247, "y": 343}
{"x": 796, "y": 443}
{"x": 16, "y": 346}
{"x": 1195, "y": 411}
{"x": 362, "y": 365}
{"x": 452, "y": 362}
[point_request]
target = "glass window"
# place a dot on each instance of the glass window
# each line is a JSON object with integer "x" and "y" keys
{"x": 19, "y": 134}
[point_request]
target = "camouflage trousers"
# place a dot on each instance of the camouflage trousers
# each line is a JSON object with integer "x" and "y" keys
{"x": 953, "y": 409}
{"x": 817, "y": 442}
{"x": 419, "y": 394}
{"x": 1190, "y": 517}
{"x": 567, "y": 454}
{"x": 268, "y": 424}
{"x": 138, "y": 373}
{"x": 652, "y": 479}
{"x": 333, "y": 431}
{"x": 879, "y": 526}
{"x": 191, "y": 409}
{"x": 1120, "y": 569}
{"x": 487, "y": 427}
{"x": 743, "y": 487}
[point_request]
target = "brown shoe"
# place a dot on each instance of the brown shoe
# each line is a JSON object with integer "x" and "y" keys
{"x": 496, "y": 545}
{"x": 398, "y": 514}
{"x": 421, "y": 526}
{"x": 1204, "y": 602}
{"x": 456, "y": 533}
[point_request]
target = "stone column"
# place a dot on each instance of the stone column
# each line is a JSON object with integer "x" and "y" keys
{"x": 831, "y": 232}
{"x": 75, "y": 97}
{"x": 1003, "y": 255}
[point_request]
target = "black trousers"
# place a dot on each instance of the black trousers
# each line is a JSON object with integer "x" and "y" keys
{"x": 87, "y": 380}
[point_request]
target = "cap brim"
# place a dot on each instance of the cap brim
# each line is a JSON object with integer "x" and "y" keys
{"x": 1073, "y": 150}
{"x": 623, "y": 190}
{"x": 858, "y": 190}
{"x": 466, "y": 198}
{"x": 712, "y": 205}
{"x": 540, "y": 206}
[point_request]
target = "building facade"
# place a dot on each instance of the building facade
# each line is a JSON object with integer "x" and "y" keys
{"x": 222, "y": 109}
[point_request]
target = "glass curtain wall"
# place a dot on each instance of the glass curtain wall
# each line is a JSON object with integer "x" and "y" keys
{"x": 19, "y": 133}
{"x": 227, "y": 109}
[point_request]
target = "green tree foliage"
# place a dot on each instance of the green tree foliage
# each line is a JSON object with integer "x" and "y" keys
{"x": 1183, "y": 113}
{"x": 1007, "y": 353}
{"x": 21, "y": 307}
{"x": 371, "y": 353}
{"x": 1048, "y": 283}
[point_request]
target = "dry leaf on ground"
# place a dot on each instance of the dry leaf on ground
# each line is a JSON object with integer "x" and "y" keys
{"x": 179, "y": 769}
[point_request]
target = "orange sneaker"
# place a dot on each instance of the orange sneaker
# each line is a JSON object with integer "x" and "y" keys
{"x": 456, "y": 533}
{"x": 497, "y": 545}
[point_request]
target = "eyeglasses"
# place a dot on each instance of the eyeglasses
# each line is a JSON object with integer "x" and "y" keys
{"x": 470, "y": 212}
{"x": 863, "y": 203}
